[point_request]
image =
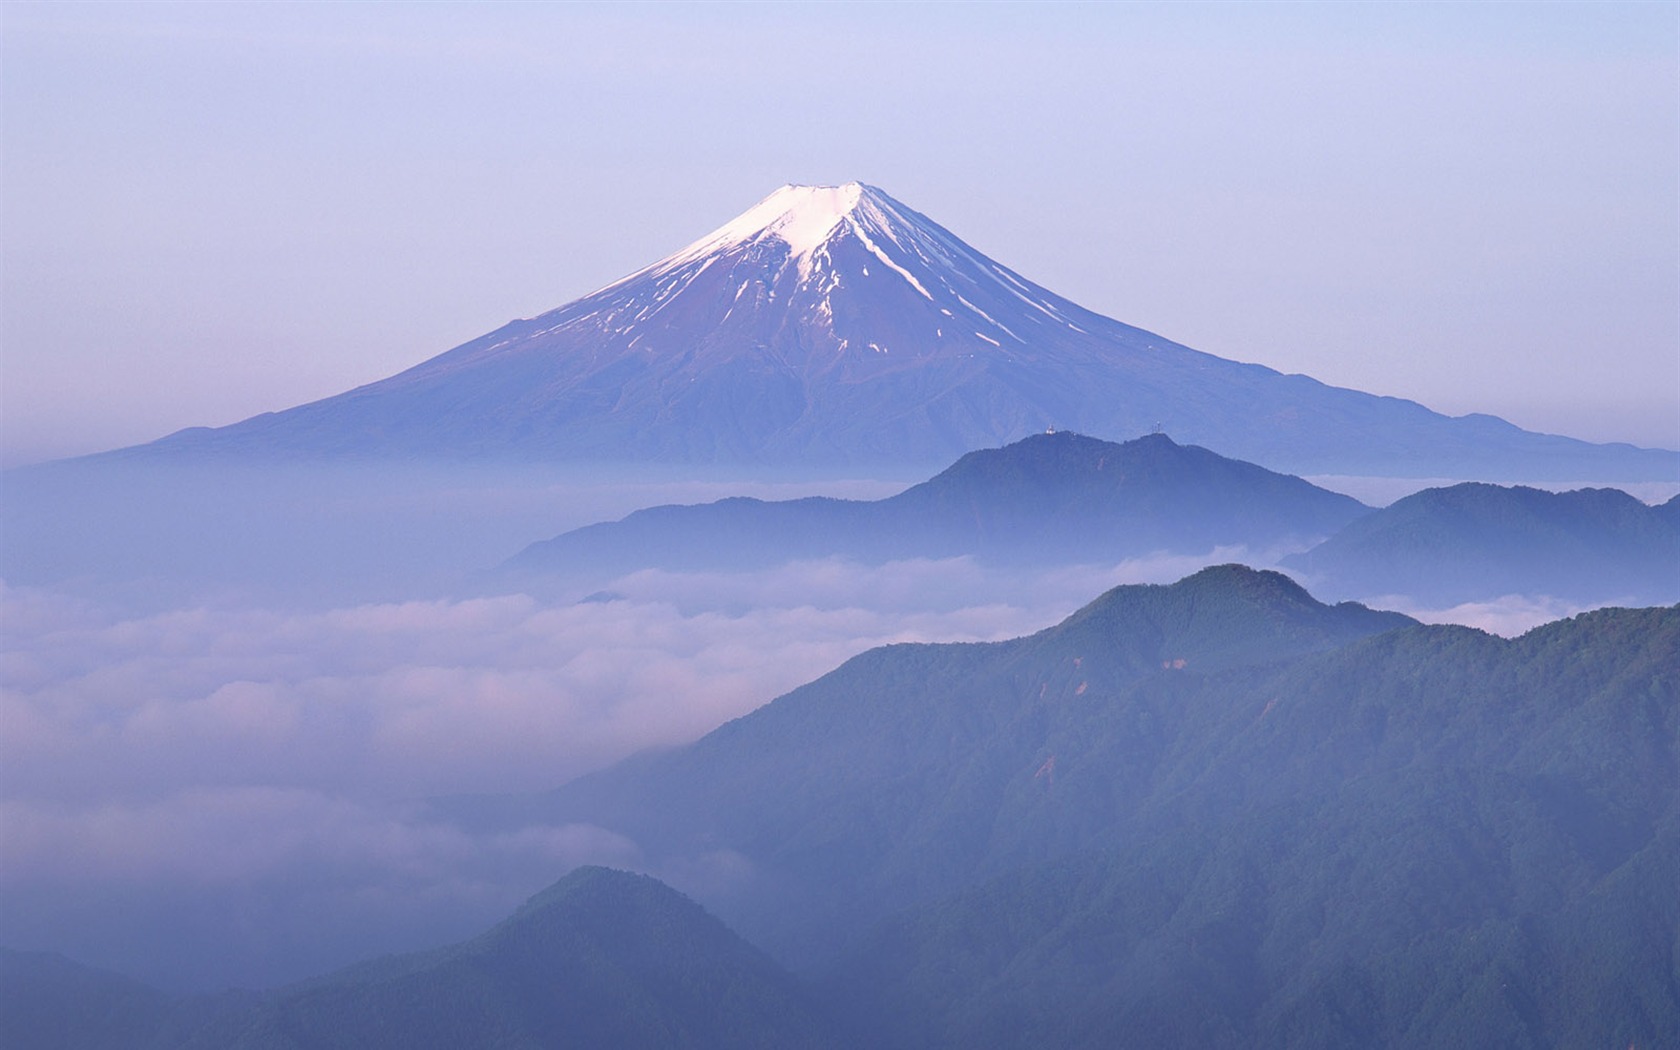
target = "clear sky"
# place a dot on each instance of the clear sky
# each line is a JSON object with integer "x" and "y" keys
{"x": 212, "y": 210}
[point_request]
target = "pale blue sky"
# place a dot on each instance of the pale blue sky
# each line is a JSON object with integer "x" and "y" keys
{"x": 216, "y": 210}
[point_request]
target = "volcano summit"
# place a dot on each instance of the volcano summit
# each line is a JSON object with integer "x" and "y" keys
{"x": 836, "y": 327}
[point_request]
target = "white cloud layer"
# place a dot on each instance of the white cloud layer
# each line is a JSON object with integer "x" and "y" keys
{"x": 1510, "y": 615}
{"x": 212, "y": 794}
{"x": 209, "y": 795}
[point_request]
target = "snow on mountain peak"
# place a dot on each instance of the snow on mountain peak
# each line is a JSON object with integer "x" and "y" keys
{"x": 821, "y": 246}
{"x": 801, "y": 216}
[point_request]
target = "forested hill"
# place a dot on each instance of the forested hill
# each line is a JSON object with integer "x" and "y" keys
{"x": 600, "y": 959}
{"x": 914, "y": 768}
{"x": 1211, "y": 814}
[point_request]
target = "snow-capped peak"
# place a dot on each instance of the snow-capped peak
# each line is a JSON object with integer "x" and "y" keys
{"x": 801, "y": 216}
{"x": 818, "y": 251}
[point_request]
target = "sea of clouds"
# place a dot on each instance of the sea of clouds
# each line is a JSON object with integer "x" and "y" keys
{"x": 215, "y": 794}
{"x": 212, "y": 777}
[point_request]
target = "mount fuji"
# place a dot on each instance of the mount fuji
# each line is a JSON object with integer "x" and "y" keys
{"x": 834, "y": 327}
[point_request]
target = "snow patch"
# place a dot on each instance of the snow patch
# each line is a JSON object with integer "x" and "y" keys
{"x": 797, "y": 227}
{"x": 802, "y": 217}
{"x": 881, "y": 255}
{"x": 995, "y": 322}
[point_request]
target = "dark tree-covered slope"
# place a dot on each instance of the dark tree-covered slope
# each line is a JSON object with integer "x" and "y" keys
{"x": 1671, "y": 511}
{"x": 1051, "y": 498}
{"x": 1477, "y": 541}
{"x": 48, "y": 1002}
{"x": 1433, "y": 838}
{"x": 914, "y": 769}
{"x": 1212, "y": 814}
{"x": 602, "y": 958}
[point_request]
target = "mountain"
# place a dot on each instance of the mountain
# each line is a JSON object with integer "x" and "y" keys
{"x": 601, "y": 958}
{"x": 1476, "y": 542}
{"x": 1218, "y": 813}
{"x": 836, "y": 328}
{"x": 1671, "y": 511}
{"x": 867, "y": 788}
{"x": 1050, "y": 498}
{"x": 48, "y": 1002}
{"x": 1430, "y": 839}
{"x": 1213, "y": 814}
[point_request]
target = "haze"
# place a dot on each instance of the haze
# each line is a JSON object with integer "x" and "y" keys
{"x": 212, "y": 211}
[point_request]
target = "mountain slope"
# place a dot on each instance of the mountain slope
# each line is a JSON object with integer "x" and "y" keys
{"x": 1432, "y": 838}
{"x": 1476, "y": 541}
{"x": 1213, "y": 814}
{"x": 904, "y": 771}
{"x": 836, "y": 327}
{"x": 1670, "y": 511}
{"x": 1051, "y": 498}
{"x": 48, "y": 1002}
{"x": 601, "y": 958}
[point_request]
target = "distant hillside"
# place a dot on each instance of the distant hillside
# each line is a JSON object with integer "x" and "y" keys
{"x": 1671, "y": 511}
{"x": 48, "y": 1002}
{"x": 1051, "y": 498}
{"x": 1476, "y": 541}
{"x": 1212, "y": 814}
{"x": 881, "y": 781}
{"x": 600, "y": 959}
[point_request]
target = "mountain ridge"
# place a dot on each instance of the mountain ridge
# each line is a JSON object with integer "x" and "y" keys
{"x": 1211, "y": 622}
{"x": 599, "y": 958}
{"x": 1216, "y": 813}
{"x": 1050, "y": 498}
{"x": 1475, "y": 541}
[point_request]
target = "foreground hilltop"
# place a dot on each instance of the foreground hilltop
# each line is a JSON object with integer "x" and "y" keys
{"x": 835, "y": 327}
{"x": 601, "y": 958}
